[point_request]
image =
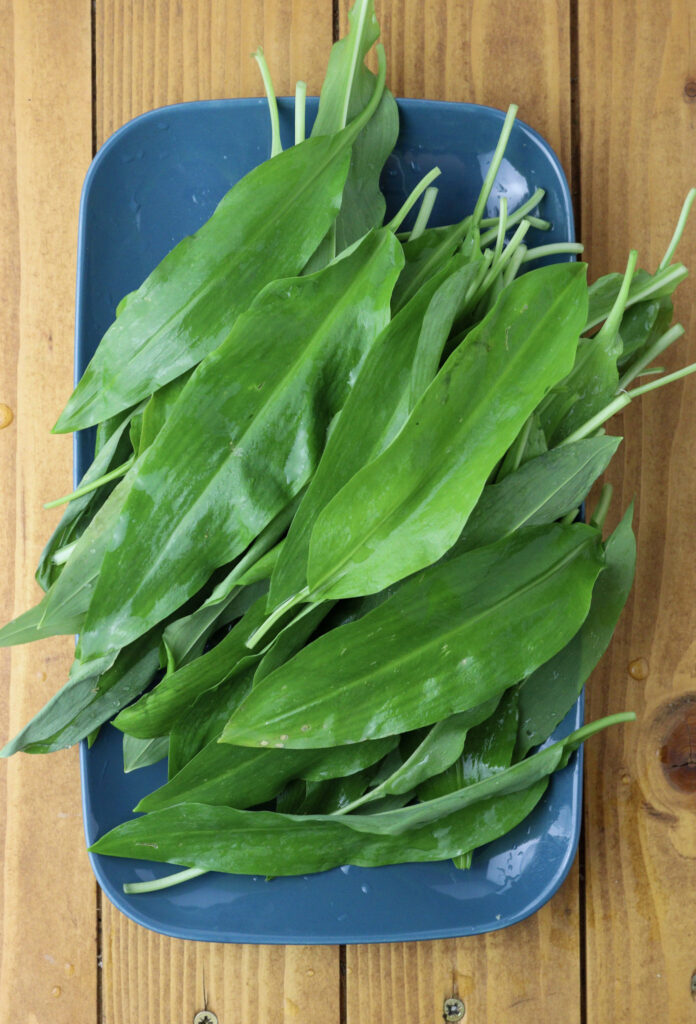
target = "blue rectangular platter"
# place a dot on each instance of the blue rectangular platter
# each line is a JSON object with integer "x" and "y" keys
{"x": 155, "y": 181}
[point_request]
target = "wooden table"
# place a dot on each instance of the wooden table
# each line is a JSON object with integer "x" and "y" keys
{"x": 612, "y": 85}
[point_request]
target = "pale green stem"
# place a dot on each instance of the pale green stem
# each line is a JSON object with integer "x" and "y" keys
{"x": 275, "y": 615}
{"x": 426, "y": 208}
{"x": 164, "y": 883}
{"x": 276, "y": 147}
{"x": 496, "y": 161}
{"x": 113, "y": 474}
{"x": 556, "y": 249}
{"x": 300, "y": 102}
{"x": 502, "y": 228}
{"x": 521, "y": 443}
{"x": 679, "y": 230}
{"x": 611, "y": 325}
{"x": 663, "y": 280}
{"x": 412, "y": 199}
{"x": 514, "y": 265}
{"x": 505, "y": 256}
{"x": 600, "y": 513}
{"x": 63, "y": 554}
{"x": 663, "y": 342}
{"x": 622, "y": 400}
{"x": 516, "y": 216}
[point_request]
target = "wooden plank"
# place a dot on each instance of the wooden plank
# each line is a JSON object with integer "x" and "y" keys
{"x": 159, "y": 52}
{"x": 480, "y": 53}
{"x": 638, "y": 153}
{"x": 148, "y": 55}
{"x": 48, "y": 951}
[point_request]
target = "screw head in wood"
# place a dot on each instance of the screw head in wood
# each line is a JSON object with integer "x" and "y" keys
{"x": 453, "y": 1009}
{"x": 205, "y": 1017}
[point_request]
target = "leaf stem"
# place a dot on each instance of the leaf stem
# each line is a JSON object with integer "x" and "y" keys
{"x": 610, "y": 327}
{"x": 600, "y": 513}
{"x": 555, "y": 249}
{"x": 164, "y": 883}
{"x": 396, "y": 221}
{"x": 679, "y": 230}
{"x": 423, "y": 217}
{"x": 300, "y": 103}
{"x": 521, "y": 213}
{"x": 275, "y": 615}
{"x": 260, "y": 59}
{"x": 502, "y": 228}
{"x": 664, "y": 341}
{"x": 622, "y": 400}
{"x": 113, "y": 474}
{"x": 495, "y": 163}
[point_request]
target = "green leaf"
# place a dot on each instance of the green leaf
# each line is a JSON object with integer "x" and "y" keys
{"x": 141, "y": 753}
{"x": 345, "y": 93}
{"x": 200, "y": 492}
{"x": 408, "y": 506}
{"x": 242, "y": 776}
{"x": 263, "y": 842}
{"x": 488, "y": 748}
{"x": 398, "y": 368}
{"x": 267, "y": 843}
{"x": 157, "y": 711}
{"x": 439, "y": 748}
{"x": 86, "y": 701}
{"x": 265, "y": 228}
{"x": 550, "y": 692}
{"x": 603, "y": 292}
{"x": 451, "y": 638}
{"x": 539, "y": 492}
{"x": 81, "y": 511}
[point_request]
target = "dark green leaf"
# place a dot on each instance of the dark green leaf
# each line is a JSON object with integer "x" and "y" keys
{"x": 451, "y": 638}
{"x": 550, "y": 692}
{"x": 408, "y": 506}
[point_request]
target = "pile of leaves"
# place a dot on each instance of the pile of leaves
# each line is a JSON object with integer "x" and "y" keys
{"x": 328, "y": 558}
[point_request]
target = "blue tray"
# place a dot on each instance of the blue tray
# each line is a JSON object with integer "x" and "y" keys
{"x": 158, "y": 179}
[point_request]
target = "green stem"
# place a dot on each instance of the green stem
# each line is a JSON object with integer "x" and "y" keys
{"x": 520, "y": 443}
{"x": 679, "y": 230}
{"x": 496, "y": 161}
{"x": 426, "y": 208}
{"x": 164, "y": 883}
{"x": 113, "y": 474}
{"x": 610, "y": 327}
{"x": 636, "y": 368}
{"x": 621, "y": 401}
{"x": 272, "y": 102}
{"x": 663, "y": 281}
{"x": 521, "y": 213}
{"x": 300, "y": 102}
{"x": 600, "y": 513}
{"x": 396, "y": 221}
{"x": 275, "y": 615}
{"x": 505, "y": 257}
{"x": 514, "y": 265}
{"x": 502, "y": 228}
{"x": 61, "y": 556}
{"x": 556, "y": 249}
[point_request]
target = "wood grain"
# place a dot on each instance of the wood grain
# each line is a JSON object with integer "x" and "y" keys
{"x": 48, "y": 953}
{"x": 482, "y": 51}
{"x": 158, "y": 52}
{"x": 476, "y": 52}
{"x": 638, "y": 146}
{"x": 148, "y": 55}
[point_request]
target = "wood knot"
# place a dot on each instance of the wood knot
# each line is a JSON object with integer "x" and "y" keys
{"x": 678, "y": 751}
{"x": 690, "y": 90}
